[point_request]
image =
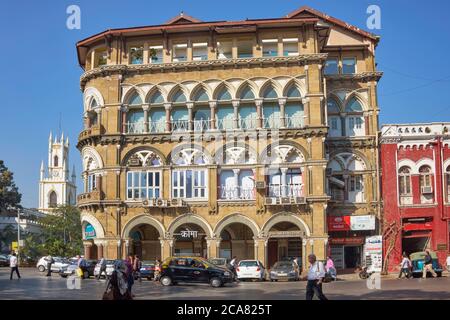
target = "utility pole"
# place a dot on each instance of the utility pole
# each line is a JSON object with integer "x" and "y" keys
{"x": 18, "y": 235}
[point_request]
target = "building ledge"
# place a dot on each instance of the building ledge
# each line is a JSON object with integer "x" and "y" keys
{"x": 362, "y": 77}
{"x": 103, "y": 71}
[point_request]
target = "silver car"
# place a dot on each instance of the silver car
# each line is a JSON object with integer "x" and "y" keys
{"x": 56, "y": 267}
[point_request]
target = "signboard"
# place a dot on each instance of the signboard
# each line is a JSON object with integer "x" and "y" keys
{"x": 373, "y": 253}
{"x": 362, "y": 222}
{"x": 351, "y": 223}
{"x": 341, "y": 223}
{"x": 14, "y": 246}
{"x": 356, "y": 241}
{"x": 89, "y": 232}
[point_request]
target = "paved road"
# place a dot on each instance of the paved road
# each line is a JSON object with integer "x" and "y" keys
{"x": 35, "y": 285}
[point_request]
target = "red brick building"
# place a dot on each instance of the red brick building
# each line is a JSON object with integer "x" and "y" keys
{"x": 415, "y": 180}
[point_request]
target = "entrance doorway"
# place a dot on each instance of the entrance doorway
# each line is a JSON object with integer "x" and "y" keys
{"x": 285, "y": 243}
{"x": 352, "y": 256}
{"x": 190, "y": 240}
{"x": 237, "y": 240}
{"x": 145, "y": 242}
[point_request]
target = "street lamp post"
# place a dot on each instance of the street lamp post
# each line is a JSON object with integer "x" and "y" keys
{"x": 18, "y": 234}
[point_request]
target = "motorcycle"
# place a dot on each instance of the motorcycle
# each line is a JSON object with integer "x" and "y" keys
{"x": 364, "y": 274}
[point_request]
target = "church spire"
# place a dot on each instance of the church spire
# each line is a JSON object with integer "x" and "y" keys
{"x": 73, "y": 175}
{"x": 42, "y": 170}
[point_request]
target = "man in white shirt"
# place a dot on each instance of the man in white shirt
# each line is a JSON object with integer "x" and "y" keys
{"x": 13, "y": 263}
{"x": 316, "y": 273}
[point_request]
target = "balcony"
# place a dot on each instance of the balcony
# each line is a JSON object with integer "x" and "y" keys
{"x": 93, "y": 131}
{"x": 237, "y": 193}
{"x": 135, "y": 127}
{"x": 294, "y": 122}
{"x": 179, "y": 125}
{"x": 202, "y": 125}
{"x": 89, "y": 197}
{"x": 291, "y": 190}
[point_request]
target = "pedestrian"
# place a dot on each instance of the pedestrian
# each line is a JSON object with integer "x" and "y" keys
{"x": 82, "y": 266}
{"x": 315, "y": 276}
{"x": 137, "y": 267}
{"x": 130, "y": 279}
{"x": 14, "y": 264}
{"x": 428, "y": 265}
{"x": 330, "y": 268}
{"x": 117, "y": 285}
{"x": 405, "y": 266}
{"x": 157, "y": 270}
{"x": 234, "y": 264}
{"x": 102, "y": 264}
{"x": 50, "y": 261}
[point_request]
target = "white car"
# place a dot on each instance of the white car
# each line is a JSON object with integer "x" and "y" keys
{"x": 251, "y": 269}
{"x": 109, "y": 268}
{"x": 56, "y": 267}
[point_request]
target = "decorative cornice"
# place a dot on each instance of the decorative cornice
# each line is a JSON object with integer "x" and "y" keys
{"x": 108, "y": 70}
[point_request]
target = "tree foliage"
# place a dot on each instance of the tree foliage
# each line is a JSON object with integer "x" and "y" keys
{"x": 9, "y": 193}
{"x": 62, "y": 232}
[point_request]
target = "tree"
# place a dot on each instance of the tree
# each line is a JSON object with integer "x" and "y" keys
{"x": 9, "y": 193}
{"x": 7, "y": 235}
{"x": 62, "y": 232}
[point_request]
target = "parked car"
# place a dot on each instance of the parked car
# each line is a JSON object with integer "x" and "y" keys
{"x": 4, "y": 260}
{"x": 284, "y": 270}
{"x": 56, "y": 267}
{"x": 251, "y": 269}
{"x": 220, "y": 262}
{"x": 109, "y": 268}
{"x": 147, "y": 269}
{"x": 193, "y": 270}
{"x": 418, "y": 258}
{"x": 71, "y": 269}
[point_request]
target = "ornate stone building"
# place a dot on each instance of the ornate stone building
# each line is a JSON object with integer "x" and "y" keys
{"x": 210, "y": 138}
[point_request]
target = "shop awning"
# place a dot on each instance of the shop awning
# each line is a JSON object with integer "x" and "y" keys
{"x": 417, "y": 226}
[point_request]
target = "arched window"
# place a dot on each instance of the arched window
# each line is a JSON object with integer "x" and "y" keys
{"x": 178, "y": 97}
{"x": 135, "y": 121}
{"x": 201, "y": 95}
{"x": 293, "y": 92}
{"x": 52, "y": 200}
{"x": 156, "y": 98}
{"x": 334, "y": 119}
{"x": 247, "y": 93}
{"x": 355, "y": 125}
{"x": 223, "y": 94}
{"x": 55, "y": 161}
{"x": 426, "y": 184}
{"x": 404, "y": 185}
{"x": 144, "y": 176}
{"x": 270, "y": 93}
{"x": 135, "y": 99}
{"x": 189, "y": 182}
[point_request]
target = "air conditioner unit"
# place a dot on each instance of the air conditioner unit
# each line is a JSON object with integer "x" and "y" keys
{"x": 161, "y": 203}
{"x": 427, "y": 190}
{"x": 299, "y": 200}
{"x": 260, "y": 184}
{"x": 177, "y": 202}
{"x": 285, "y": 200}
{"x": 271, "y": 201}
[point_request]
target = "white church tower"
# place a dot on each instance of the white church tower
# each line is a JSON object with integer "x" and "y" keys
{"x": 56, "y": 186}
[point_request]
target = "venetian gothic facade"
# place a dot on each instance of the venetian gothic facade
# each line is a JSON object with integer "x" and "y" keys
{"x": 224, "y": 139}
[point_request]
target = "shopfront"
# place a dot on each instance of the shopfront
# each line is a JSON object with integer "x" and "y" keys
{"x": 347, "y": 239}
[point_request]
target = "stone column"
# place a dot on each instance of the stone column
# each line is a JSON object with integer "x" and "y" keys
{"x": 284, "y": 185}
{"x": 305, "y": 103}
{"x": 346, "y": 187}
{"x": 168, "y": 107}
{"x": 87, "y": 249}
{"x": 100, "y": 249}
{"x": 236, "y": 183}
{"x": 236, "y": 104}
{"x": 212, "y": 107}
{"x": 259, "y": 112}
{"x": 146, "y": 108}
{"x": 261, "y": 249}
{"x": 99, "y": 116}
{"x": 343, "y": 124}
{"x": 124, "y": 110}
{"x": 282, "y": 103}
{"x": 166, "y": 247}
{"x": 213, "y": 248}
{"x": 190, "y": 107}
{"x": 119, "y": 249}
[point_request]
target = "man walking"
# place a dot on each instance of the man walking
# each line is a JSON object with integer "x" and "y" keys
{"x": 428, "y": 265}
{"x": 315, "y": 276}
{"x": 50, "y": 261}
{"x": 102, "y": 269}
{"x": 13, "y": 263}
{"x": 234, "y": 264}
{"x": 405, "y": 267}
{"x": 137, "y": 267}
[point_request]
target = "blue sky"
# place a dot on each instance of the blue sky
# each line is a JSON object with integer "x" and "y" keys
{"x": 40, "y": 74}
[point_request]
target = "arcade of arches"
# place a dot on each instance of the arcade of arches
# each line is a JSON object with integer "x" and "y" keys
{"x": 279, "y": 237}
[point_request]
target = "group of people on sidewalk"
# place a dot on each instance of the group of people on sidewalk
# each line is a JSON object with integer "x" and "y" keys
{"x": 406, "y": 266}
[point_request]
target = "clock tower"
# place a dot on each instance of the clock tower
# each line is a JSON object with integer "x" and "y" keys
{"x": 56, "y": 186}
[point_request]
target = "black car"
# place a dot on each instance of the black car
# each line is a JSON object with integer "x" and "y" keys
{"x": 194, "y": 270}
{"x": 4, "y": 261}
{"x": 147, "y": 269}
